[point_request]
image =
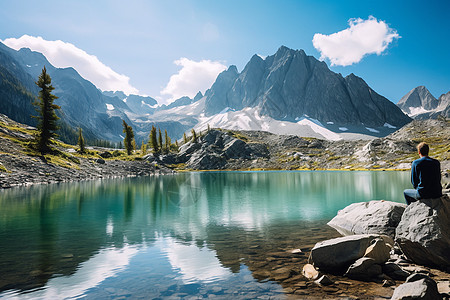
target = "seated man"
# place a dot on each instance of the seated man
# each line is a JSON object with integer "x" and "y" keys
{"x": 425, "y": 177}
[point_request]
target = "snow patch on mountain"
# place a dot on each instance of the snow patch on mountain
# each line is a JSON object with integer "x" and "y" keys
{"x": 250, "y": 119}
{"x": 414, "y": 111}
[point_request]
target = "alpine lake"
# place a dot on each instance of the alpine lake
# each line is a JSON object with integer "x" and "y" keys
{"x": 222, "y": 235}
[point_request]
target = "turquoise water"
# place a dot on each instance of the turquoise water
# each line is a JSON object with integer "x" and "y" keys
{"x": 189, "y": 234}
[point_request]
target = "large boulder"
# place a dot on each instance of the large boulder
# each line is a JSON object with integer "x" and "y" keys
{"x": 424, "y": 288}
{"x": 364, "y": 268}
{"x": 337, "y": 254}
{"x": 376, "y": 216}
{"x": 379, "y": 251}
{"x": 424, "y": 232}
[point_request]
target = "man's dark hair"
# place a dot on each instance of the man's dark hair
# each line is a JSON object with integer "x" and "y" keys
{"x": 423, "y": 148}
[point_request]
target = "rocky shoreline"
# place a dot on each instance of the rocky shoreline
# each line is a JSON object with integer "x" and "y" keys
{"x": 403, "y": 249}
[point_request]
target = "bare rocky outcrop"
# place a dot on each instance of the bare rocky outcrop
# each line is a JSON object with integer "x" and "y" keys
{"x": 377, "y": 217}
{"x": 339, "y": 253}
{"x": 424, "y": 232}
{"x": 417, "y": 287}
{"x": 217, "y": 150}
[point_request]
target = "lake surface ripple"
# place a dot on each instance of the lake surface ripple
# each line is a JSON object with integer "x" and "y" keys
{"x": 225, "y": 234}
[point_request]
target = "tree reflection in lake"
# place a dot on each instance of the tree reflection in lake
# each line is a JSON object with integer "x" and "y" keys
{"x": 228, "y": 220}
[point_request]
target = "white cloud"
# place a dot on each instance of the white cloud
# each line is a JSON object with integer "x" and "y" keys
{"x": 349, "y": 46}
{"x": 194, "y": 76}
{"x": 61, "y": 55}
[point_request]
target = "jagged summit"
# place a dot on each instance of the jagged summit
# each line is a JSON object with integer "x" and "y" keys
{"x": 419, "y": 103}
{"x": 290, "y": 85}
{"x": 418, "y": 97}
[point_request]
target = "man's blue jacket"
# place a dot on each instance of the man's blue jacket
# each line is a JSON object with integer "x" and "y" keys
{"x": 426, "y": 177}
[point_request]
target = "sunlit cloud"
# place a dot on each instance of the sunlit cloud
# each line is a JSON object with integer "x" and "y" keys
{"x": 193, "y": 76}
{"x": 61, "y": 55}
{"x": 349, "y": 46}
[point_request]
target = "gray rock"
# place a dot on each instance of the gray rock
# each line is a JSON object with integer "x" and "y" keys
{"x": 339, "y": 253}
{"x": 363, "y": 269}
{"x": 421, "y": 289}
{"x": 324, "y": 280}
{"x": 376, "y": 216}
{"x": 100, "y": 161}
{"x": 395, "y": 271}
{"x": 417, "y": 276}
{"x": 106, "y": 154}
{"x": 379, "y": 251}
{"x": 424, "y": 232}
{"x": 310, "y": 272}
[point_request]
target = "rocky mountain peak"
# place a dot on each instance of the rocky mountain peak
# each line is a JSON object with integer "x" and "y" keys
{"x": 418, "y": 97}
{"x": 289, "y": 85}
{"x": 198, "y": 96}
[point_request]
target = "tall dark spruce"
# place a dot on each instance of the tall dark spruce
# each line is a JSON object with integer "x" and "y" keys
{"x": 129, "y": 138}
{"x": 47, "y": 118}
{"x": 153, "y": 140}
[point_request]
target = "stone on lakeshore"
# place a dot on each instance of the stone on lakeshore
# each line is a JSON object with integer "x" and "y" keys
{"x": 395, "y": 271}
{"x": 106, "y": 154}
{"x": 310, "y": 272}
{"x": 421, "y": 289}
{"x": 387, "y": 283}
{"x": 444, "y": 287}
{"x": 379, "y": 251}
{"x": 417, "y": 276}
{"x": 364, "y": 268}
{"x": 339, "y": 253}
{"x": 424, "y": 232}
{"x": 100, "y": 161}
{"x": 373, "y": 217}
{"x": 324, "y": 280}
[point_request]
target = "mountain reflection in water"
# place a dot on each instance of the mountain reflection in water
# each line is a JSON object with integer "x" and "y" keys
{"x": 188, "y": 233}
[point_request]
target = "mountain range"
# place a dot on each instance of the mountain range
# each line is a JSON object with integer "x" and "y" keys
{"x": 285, "y": 93}
{"x": 419, "y": 103}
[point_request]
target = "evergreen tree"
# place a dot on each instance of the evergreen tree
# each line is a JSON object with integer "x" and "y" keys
{"x": 194, "y": 136}
{"x": 166, "y": 142}
{"x": 129, "y": 138}
{"x": 81, "y": 141}
{"x": 209, "y": 128}
{"x": 185, "y": 140}
{"x": 160, "y": 142}
{"x": 47, "y": 117}
{"x": 176, "y": 145}
{"x": 153, "y": 140}
{"x": 143, "y": 148}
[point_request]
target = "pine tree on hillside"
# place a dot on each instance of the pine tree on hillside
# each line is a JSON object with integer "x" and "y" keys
{"x": 81, "y": 141}
{"x": 129, "y": 138}
{"x": 160, "y": 139}
{"x": 166, "y": 142}
{"x": 143, "y": 148}
{"x": 194, "y": 136}
{"x": 153, "y": 140}
{"x": 185, "y": 140}
{"x": 47, "y": 119}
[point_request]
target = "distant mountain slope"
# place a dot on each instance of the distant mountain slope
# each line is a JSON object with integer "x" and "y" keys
{"x": 17, "y": 89}
{"x": 289, "y": 93}
{"x": 138, "y": 104}
{"x": 290, "y": 85}
{"x": 419, "y": 103}
{"x": 82, "y": 104}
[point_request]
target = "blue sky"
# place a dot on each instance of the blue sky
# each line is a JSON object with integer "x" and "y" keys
{"x": 142, "y": 40}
